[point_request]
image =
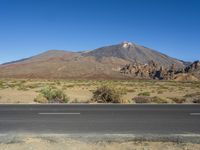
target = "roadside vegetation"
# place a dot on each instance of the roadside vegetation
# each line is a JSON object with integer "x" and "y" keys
{"x": 106, "y": 94}
{"x": 98, "y": 91}
{"x": 146, "y": 99}
{"x": 51, "y": 95}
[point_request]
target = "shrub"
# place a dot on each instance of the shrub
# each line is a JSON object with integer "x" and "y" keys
{"x": 40, "y": 99}
{"x": 178, "y": 100}
{"x": 22, "y": 88}
{"x": 142, "y": 99}
{"x": 52, "y": 95}
{"x": 192, "y": 94}
{"x": 1, "y": 84}
{"x": 158, "y": 100}
{"x": 145, "y": 99}
{"x": 130, "y": 90}
{"x": 106, "y": 94}
{"x": 160, "y": 92}
{"x": 193, "y": 97}
{"x": 196, "y": 100}
{"x": 144, "y": 94}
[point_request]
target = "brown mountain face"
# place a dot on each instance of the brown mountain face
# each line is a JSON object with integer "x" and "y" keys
{"x": 104, "y": 62}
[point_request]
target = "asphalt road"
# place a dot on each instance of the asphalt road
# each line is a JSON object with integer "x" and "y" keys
{"x": 104, "y": 119}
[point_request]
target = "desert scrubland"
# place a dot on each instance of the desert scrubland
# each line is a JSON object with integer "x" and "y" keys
{"x": 82, "y": 91}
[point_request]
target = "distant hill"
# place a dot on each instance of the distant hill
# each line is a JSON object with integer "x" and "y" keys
{"x": 104, "y": 62}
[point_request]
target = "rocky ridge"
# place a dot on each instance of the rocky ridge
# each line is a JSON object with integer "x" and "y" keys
{"x": 153, "y": 70}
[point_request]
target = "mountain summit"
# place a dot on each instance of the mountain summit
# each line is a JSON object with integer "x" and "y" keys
{"x": 104, "y": 62}
{"x": 134, "y": 53}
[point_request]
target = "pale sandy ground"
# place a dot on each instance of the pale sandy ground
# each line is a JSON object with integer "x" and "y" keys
{"x": 37, "y": 143}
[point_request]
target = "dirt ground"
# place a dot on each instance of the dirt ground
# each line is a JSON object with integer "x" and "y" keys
{"x": 80, "y": 91}
{"x": 58, "y": 143}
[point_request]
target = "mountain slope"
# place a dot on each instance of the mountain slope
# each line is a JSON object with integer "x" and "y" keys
{"x": 134, "y": 53}
{"x": 103, "y": 62}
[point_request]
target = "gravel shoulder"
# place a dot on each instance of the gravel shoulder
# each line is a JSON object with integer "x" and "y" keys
{"x": 52, "y": 142}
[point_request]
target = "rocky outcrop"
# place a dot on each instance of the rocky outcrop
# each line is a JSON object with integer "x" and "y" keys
{"x": 155, "y": 71}
{"x": 193, "y": 67}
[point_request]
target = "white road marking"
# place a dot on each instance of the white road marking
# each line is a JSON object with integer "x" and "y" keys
{"x": 59, "y": 113}
{"x": 194, "y": 114}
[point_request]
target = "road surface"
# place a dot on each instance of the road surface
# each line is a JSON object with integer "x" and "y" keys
{"x": 103, "y": 119}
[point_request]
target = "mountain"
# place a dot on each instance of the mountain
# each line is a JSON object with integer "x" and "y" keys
{"x": 104, "y": 62}
{"x": 134, "y": 53}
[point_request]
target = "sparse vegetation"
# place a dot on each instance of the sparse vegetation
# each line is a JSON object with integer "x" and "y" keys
{"x": 193, "y": 97}
{"x": 160, "y": 92}
{"x": 106, "y": 94}
{"x": 14, "y": 90}
{"x": 158, "y": 100}
{"x": 178, "y": 100}
{"x": 142, "y": 99}
{"x": 40, "y": 99}
{"x": 192, "y": 94}
{"x": 196, "y": 100}
{"x": 52, "y": 95}
{"x": 145, "y": 99}
{"x": 144, "y": 94}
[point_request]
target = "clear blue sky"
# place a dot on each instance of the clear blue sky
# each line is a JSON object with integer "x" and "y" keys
{"x": 29, "y": 27}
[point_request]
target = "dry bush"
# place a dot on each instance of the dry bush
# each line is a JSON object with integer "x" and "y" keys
{"x": 145, "y": 99}
{"x": 52, "y": 95}
{"x": 40, "y": 99}
{"x": 192, "y": 94}
{"x": 108, "y": 94}
{"x": 193, "y": 97}
{"x": 130, "y": 90}
{"x": 178, "y": 100}
{"x": 142, "y": 99}
{"x": 158, "y": 100}
{"x": 160, "y": 92}
{"x": 196, "y": 100}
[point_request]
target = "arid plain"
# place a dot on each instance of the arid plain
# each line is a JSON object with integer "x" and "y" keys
{"x": 150, "y": 91}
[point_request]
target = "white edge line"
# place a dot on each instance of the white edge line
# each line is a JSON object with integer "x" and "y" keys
{"x": 59, "y": 113}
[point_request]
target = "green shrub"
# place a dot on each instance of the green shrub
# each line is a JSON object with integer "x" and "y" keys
{"x": 53, "y": 95}
{"x": 106, "y": 94}
{"x": 144, "y": 94}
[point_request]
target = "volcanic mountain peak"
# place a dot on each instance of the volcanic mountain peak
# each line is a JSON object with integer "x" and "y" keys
{"x": 133, "y": 53}
{"x": 127, "y": 44}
